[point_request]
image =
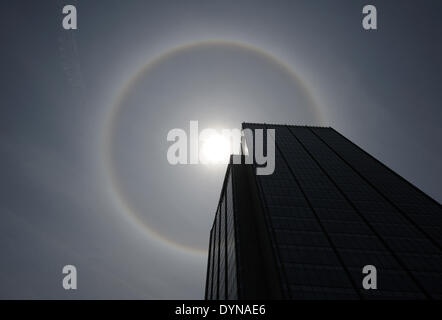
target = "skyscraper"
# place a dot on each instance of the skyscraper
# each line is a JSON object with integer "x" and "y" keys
{"x": 308, "y": 230}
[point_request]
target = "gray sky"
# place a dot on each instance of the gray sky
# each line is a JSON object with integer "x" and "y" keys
{"x": 143, "y": 232}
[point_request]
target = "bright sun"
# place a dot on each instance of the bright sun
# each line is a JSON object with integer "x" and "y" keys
{"x": 216, "y": 149}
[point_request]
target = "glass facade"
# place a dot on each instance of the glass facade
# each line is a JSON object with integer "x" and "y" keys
{"x": 330, "y": 209}
{"x": 232, "y": 287}
{"x": 222, "y": 267}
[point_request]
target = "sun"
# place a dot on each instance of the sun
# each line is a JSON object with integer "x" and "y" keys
{"x": 215, "y": 149}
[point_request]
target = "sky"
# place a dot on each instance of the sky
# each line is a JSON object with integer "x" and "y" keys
{"x": 84, "y": 116}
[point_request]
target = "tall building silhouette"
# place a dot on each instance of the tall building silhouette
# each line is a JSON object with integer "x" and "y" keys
{"x": 307, "y": 230}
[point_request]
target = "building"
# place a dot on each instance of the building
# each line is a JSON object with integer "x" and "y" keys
{"x": 308, "y": 230}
